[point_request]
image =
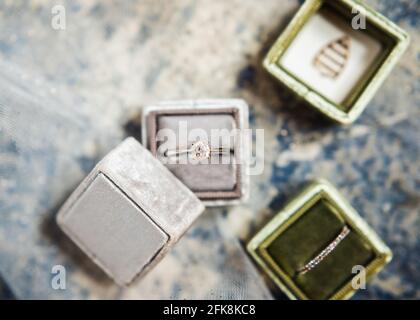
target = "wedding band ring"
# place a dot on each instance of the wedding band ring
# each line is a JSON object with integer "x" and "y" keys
{"x": 199, "y": 150}
{"x": 324, "y": 253}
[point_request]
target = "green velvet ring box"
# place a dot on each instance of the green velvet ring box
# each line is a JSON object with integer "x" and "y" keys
{"x": 335, "y": 54}
{"x": 302, "y": 230}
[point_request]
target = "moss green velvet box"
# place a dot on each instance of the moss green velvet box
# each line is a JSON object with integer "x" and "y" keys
{"x": 306, "y": 226}
{"x": 361, "y": 70}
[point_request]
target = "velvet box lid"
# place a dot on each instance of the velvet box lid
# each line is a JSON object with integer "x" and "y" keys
{"x": 335, "y": 54}
{"x": 128, "y": 212}
{"x": 307, "y": 226}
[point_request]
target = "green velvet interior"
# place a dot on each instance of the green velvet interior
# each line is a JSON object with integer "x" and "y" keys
{"x": 306, "y": 238}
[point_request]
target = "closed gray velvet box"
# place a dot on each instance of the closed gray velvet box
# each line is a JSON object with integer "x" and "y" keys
{"x": 128, "y": 212}
{"x": 215, "y": 184}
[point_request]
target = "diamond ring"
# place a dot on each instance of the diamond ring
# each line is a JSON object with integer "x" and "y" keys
{"x": 324, "y": 253}
{"x": 199, "y": 150}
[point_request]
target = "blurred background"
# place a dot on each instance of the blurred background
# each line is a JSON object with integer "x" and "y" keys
{"x": 68, "y": 96}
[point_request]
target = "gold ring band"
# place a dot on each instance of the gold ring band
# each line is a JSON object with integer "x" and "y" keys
{"x": 324, "y": 253}
{"x": 199, "y": 150}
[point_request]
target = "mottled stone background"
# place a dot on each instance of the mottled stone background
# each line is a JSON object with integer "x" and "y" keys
{"x": 67, "y": 97}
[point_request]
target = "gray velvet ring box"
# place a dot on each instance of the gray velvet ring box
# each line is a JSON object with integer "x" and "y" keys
{"x": 215, "y": 184}
{"x": 128, "y": 212}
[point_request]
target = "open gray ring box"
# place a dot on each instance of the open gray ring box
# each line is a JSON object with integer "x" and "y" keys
{"x": 216, "y": 184}
{"x": 128, "y": 212}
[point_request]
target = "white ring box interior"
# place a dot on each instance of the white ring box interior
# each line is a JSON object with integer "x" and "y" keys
{"x": 215, "y": 184}
{"x": 128, "y": 212}
{"x": 322, "y": 29}
{"x": 335, "y": 54}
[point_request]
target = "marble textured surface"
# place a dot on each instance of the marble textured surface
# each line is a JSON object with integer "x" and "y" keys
{"x": 69, "y": 96}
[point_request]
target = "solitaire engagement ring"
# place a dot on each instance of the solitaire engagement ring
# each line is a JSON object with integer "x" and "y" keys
{"x": 199, "y": 150}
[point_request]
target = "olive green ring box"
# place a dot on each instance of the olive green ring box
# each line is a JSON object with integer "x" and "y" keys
{"x": 393, "y": 39}
{"x": 306, "y": 226}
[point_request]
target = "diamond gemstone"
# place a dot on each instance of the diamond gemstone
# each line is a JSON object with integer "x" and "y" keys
{"x": 200, "y": 151}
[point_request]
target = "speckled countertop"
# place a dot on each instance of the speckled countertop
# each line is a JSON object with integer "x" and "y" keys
{"x": 69, "y": 96}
